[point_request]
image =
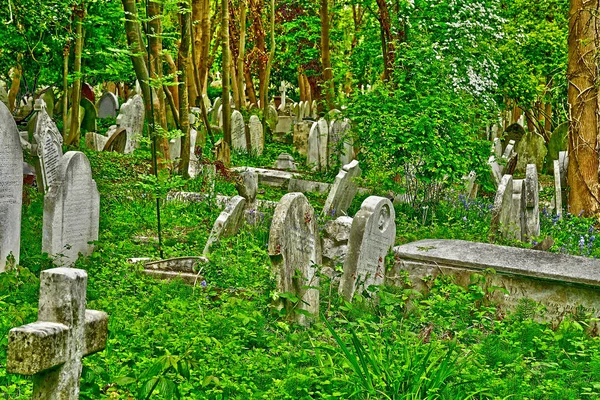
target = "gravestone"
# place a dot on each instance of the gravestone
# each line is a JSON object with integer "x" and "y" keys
{"x": 301, "y": 133}
{"x": 502, "y": 208}
{"x": 531, "y": 150}
{"x": 284, "y": 126}
{"x": 49, "y": 147}
{"x": 228, "y": 223}
{"x": 337, "y": 146}
{"x": 257, "y": 138}
{"x": 247, "y": 185}
{"x": 496, "y": 170}
{"x": 563, "y": 163}
{"x": 117, "y": 141}
{"x": 316, "y": 156}
{"x": 323, "y": 143}
{"x": 220, "y": 116}
{"x": 272, "y": 117}
{"x": 11, "y": 187}
{"x": 372, "y": 235}
{"x": 71, "y": 211}
{"x": 295, "y": 252}
{"x": 87, "y": 92}
{"x": 132, "y": 116}
{"x": 343, "y": 191}
{"x": 532, "y": 199}
{"x": 89, "y": 116}
{"x": 238, "y": 131}
{"x": 558, "y": 142}
{"x": 52, "y": 348}
{"x": 514, "y": 133}
{"x": 108, "y": 105}
{"x": 558, "y": 205}
{"x": 286, "y": 162}
{"x": 314, "y": 110}
{"x": 50, "y": 100}
{"x": 471, "y": 186}
{"x": 517, "y": 218}
{"x": 335, "y": 240}
{"x": 96, "y": 142}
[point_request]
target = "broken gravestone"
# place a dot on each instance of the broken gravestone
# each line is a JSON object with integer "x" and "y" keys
{"x": 502, "y": 208}
{"x": 228, "y": 223}
{"x": 532, "y": 209}
{"x": 343, "y": 191}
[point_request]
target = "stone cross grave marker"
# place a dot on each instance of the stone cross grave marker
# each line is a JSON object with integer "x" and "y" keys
{"x": 257, "y": 137}
{"x": 372, "y": 235}
{"x": 295, "y": 251}
{"x": 11, "y": 187}
{"x": 108, "y": 105}
{"x": 52, "y": 348}
{"x": 283, "y": 88}
{"x": 227, "y": 223}
{"x": 49, "y": 147}
{"x": 238, "y": 131}
{"x": 71, "y": 211}
{"x": 532, "y": 200}
{"x": 343, "y": 191}
{"x": 502, "y": 208}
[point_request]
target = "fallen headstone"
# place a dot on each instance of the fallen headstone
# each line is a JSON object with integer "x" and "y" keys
{"x": 343, "y": 191}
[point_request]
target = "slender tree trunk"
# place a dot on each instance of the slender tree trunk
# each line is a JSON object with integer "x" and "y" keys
{"x": 265, "y": 101}
{"x": 259, "y": 51}
{"x": 205, "y": 44}
{"x": 65, "y": 98}
{"x": 226, "y": 72}
{"x": 174, "y": 89}
{"x": 387, "y": 41}
{"x": 183, "y": 60}
{"x": 326, "y": 55}
{"x": 73, "y": 136}
{"x": 241, "y": 100}
{"x": 250, "y": 86}
{"x": 583, "y": 108}
{"x": 15, "y": 85}
{"x": 155, "y": 41}
{"x": 301, "y": 86}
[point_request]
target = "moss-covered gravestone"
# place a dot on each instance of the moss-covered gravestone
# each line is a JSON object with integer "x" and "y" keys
{"x": 558, "y": 142}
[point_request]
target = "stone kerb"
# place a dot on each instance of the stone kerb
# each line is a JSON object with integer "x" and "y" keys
{"x": 52, "y": 348}
{"x": 295, "y": 251}
{"x": 372, "y": 235}
{"x": 343, "y": 191}
{"x": 49, "y": 147}
{"x": 71, "y": 211}
{"x": 11, "y": 187}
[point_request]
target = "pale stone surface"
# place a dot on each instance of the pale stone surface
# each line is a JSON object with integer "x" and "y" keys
{"x": 228, "y": 223}
{"x": 49, "y": 147}
{"x": 314, "y": 112}
{"x": 301, "y": 132}
{"x": 71, "y": 211}
{"x": 532, "y": 208}
{"x": 340, "y": 152}
{"x": 323, "y": 128}
{"x": 11, "y": 187}
{"x": 257, "y": 137}
{"x": 517, "y": 218}
{"x": 563, "y": 163}
{"x": 335, "y": 240}
{"x": 312, "y": 155}
{"x": 270, "y": 177}
{"x": 52, "y": 348}
{"x": 284, "y": 124}
{"x": 132, "y": 116}
{"x": 531, "y": 150}
{"x": 238, "y": 131}
{"x": 295, "y": 251}
{"x": 558, "y": 207}
{"x": 108, "y": 105}
{"x": 502, "y": 209}
{"x": 303, "y": 186}
{"x": 272, "y": 117}
{"x": 372, "y": 235}
{"x": 470, "y": 185}
{"x": 95, "y": 141}
{"x": 285, "y": 161}
{"x": 247, "y": 184}
{"x": 496, "y": 169}
{"x": 343, "y": 191}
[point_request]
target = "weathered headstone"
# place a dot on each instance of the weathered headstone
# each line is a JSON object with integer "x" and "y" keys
{"x": 11, "y": 187}
{"x": 272, "y": 117}
{"x": 228, "y": 222}
{"x": 257, "y": 137}
{"x": 323, "y": 127}
{"x": 558, "y": 205}
{"x": 314, "y": 109}
{"x": 496, "y": 170}
{"x": 132, "y": 116}
{"x": 317, "y": 146}
{"x": 238, "y": 131}
{"x": 372, "y": 235}
{"x": 295, "y": 252}
{"x": 108, "y": 105}
{"x": 502, "y": 208}
{"x": 283, "y": 127}
{"x": 335, "y": 240}
{"x": 340, "y": 146}
{"x": 117, "y": 141}
{"x": 89, "y": 116}
{"x": 563, "y": 163}
{"x": 343, "y": 191}
{"x": 532, "y": 198}
{"x": 49, "y": 147}
{"x": 301, "y": 133}
{"x": 517, "y": 218}
{"x": 96, "y": 142}
{"x": 558, "y": 142}
{"x": 52, "y": 348}
{"x": 531, "y": 150}
{"x": 247, "y": 185}
{"x": 71, "y": 211}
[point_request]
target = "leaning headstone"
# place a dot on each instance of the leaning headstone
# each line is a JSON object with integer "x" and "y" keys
{"x": 518, "y": 210}
{"x": 502, "y": 208}
{"x": 228, "y": 223}
{"x": 11, "y": 187}
{"x": 532, "y": 208}
{"x": 95, "y": 141}
{"x": 513, "y": 133}
{"x": 343, "y": 191}
{"x": 108, "y": 105}
{"x": 52, "y": 348}
{"x": 286, "y": 162}
{"x": 531, "y": 150}
{"x": 295, "y": 252}
{"x": 563, "y": 163}
{"x": 247, "y": 185}
{"x": 117, "y": 141}
{"x": 372, "y": 235}
{"x": 132, "y": 116}
{"x": 71, "y": 211}
{"x": 257, "y": 137}
{"x": 558, "y": 207}
{"x": 496, "y": 170}
{"x": 238, "y": 131}
{"x": 340, "y": 146}
{"x": 49, "y": 147}
{"x": 89, "y": 116}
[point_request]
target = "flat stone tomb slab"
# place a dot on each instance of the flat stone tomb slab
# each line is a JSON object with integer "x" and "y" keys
{"x": 51, "y": 349}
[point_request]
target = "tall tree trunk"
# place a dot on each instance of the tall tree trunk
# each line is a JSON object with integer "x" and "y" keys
{"x": 259, "y": 52}
{"x": 205, "y": 40}
{"x": 326, "y": 55}
{"x": 249, "y": 86}
{"x": 387, "y": 41}
{"x": 226, "y": 72}
{"x": 65, "y": 98}
{"x": 174, "y": 89}
{"x": 183, "y": 60}
{"x": 73, "y": 136}
{"x": 241, "y": 100}
{"x": 155, "y": 42}
{"x": 583, "y": 107}
{"x": 265, "y": 101}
